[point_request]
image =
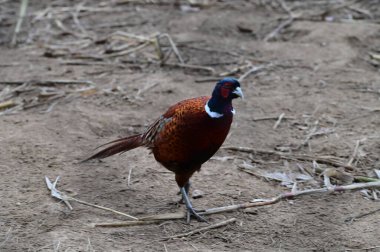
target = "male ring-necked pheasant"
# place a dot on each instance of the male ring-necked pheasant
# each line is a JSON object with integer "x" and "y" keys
{"x": 186, "y": 136}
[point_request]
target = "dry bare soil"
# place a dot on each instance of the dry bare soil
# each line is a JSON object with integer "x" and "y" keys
{"x": 321, "y": 71}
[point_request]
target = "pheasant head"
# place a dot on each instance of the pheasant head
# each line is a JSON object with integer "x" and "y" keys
{"x": 220, "y": 102}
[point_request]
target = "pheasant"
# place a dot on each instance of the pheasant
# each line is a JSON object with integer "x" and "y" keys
{"x": 186, "y": 135}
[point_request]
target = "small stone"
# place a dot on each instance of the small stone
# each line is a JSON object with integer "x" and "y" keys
{"x": 197, "y": 194}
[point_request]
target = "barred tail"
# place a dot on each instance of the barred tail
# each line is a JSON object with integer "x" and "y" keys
{"x": 119, "y": 145}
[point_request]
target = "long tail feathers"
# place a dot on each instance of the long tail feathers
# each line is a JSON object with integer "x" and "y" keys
{"x": 119, "y": 145}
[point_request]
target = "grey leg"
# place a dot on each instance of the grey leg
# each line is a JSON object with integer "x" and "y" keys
{"x": 187, "y": 188}
{"x": 189, "y": 207}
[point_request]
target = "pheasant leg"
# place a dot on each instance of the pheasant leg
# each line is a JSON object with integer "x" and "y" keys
{"x": 189, "y": 207}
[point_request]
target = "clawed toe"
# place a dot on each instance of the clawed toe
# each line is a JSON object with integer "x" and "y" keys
{"x": 192, "y": 212}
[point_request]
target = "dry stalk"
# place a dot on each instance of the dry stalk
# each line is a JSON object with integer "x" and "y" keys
{"x": 101, "y": 207}
{"x": 283, "y": 24}
{"x": 7, "y": 236}
{"x": 174, "y": 47}
{"x": 159, "y": 51}
{"x": 278, "y": 121}
{"x": 199, "y": 230}
{"x": 254, "y": 69}
{"x": 23, "y": 7}
{"x": 126, "y": 223}
{"x": 154, "y": 40}
{"x": 255, "y": 203}
{"x": 314, "y": 132}
{"x": 48, "y": 82}
{"x": 356, "y": 217}
{"x": 208, "y": 79}
{"x": 129, "y": 51}
{"x": 75, "y": 16}
{"x": 61, "y": 26}
{"x": 145, "y": 89}
{"x": 42, "y": 93}
{"x": 59, "y": 195}
{"x": 356, "y": 151}
{"x": 236, "y": 70}
{"x": 194, "y": 67}
{"x": 265, "y": 118}
{"x": 7, "y": 104}
{"x": 129, "y": 176}
{"x": 164, "y": 216}
{"x": 289, "y": 195}
{"x": 331, "y": 160}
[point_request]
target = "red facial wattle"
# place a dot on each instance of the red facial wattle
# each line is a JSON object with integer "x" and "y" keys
{"x": 224, "y": 92}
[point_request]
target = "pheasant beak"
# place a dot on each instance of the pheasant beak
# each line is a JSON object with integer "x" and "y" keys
{"x": 238, "y": 92}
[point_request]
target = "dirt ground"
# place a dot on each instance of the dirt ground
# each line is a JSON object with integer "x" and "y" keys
{"x": 321, "y": 71}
